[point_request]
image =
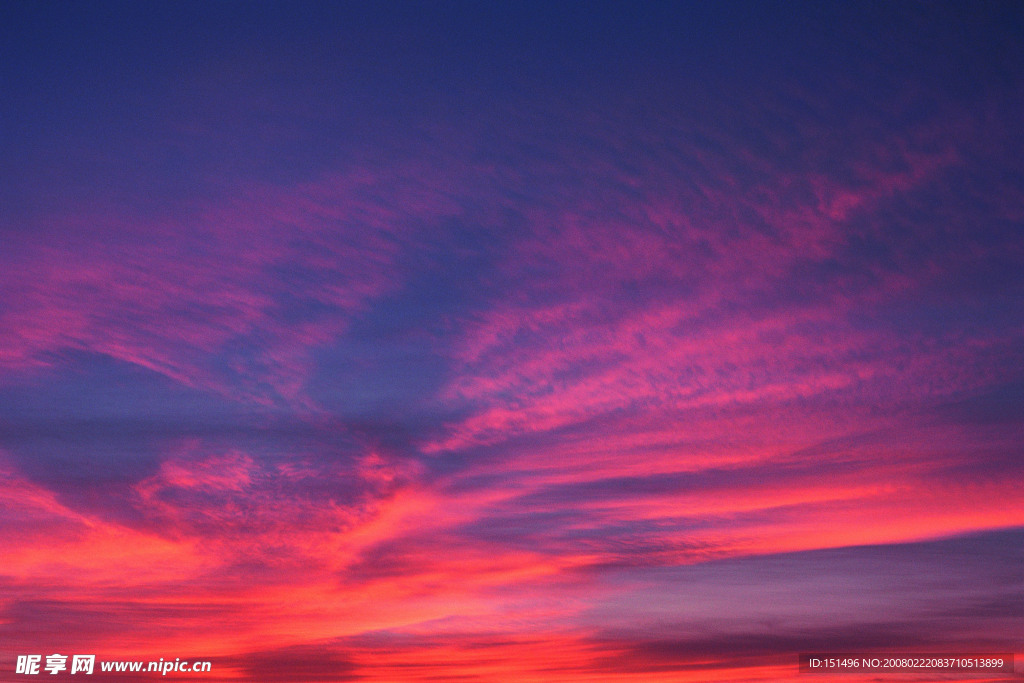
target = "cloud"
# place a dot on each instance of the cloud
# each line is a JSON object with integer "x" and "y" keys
{"x": 229, "y": 298}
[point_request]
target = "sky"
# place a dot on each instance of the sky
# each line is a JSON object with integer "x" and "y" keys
{"x": 554, "y": 342}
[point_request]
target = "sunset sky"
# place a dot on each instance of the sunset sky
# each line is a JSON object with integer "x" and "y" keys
{"x": 510, "y": 341}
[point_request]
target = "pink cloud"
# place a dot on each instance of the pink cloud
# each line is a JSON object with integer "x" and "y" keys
{"x": 174, "y": 295}
{"x": 673, "y": 358}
